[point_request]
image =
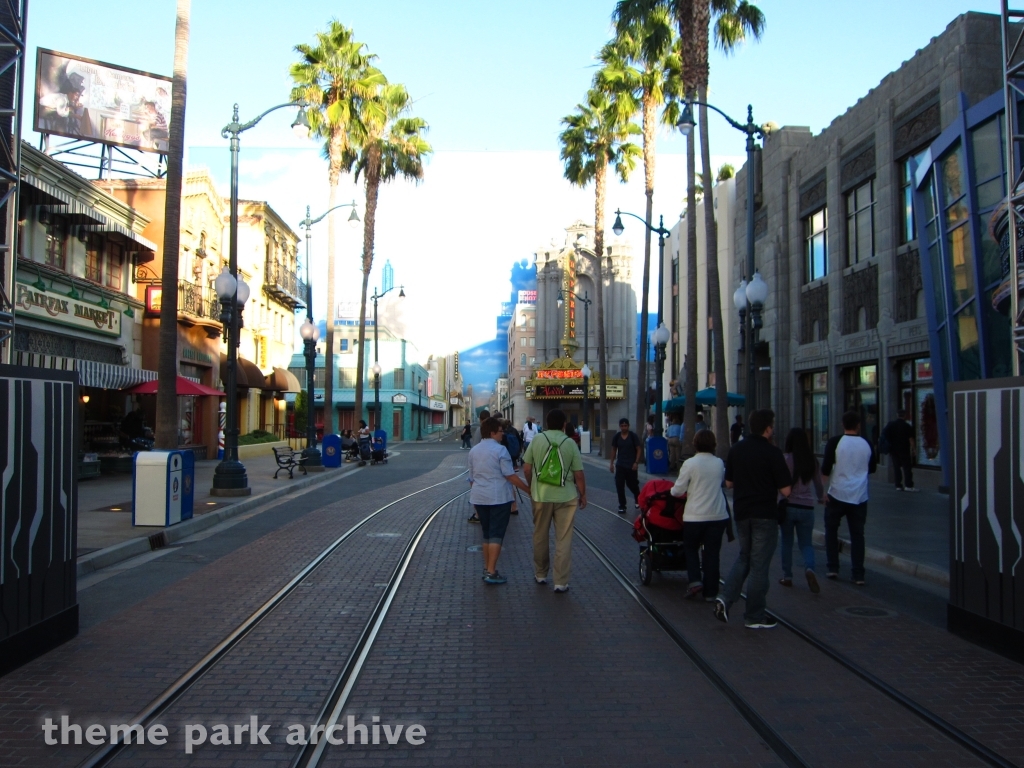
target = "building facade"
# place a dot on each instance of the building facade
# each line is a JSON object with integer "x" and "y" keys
{"x": 837, "y": 241}
{"x": 522, "y": 356}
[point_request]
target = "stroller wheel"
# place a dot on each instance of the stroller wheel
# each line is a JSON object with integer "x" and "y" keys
{"x": 646, "y": 566}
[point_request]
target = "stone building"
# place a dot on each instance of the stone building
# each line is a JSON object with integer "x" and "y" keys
{"x": 845, "y": 324}
{"x": 560, "y": 331}
{"x": 522, "y": 357}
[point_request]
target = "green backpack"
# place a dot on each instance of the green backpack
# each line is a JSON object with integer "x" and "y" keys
{"x": 551, "y": 470}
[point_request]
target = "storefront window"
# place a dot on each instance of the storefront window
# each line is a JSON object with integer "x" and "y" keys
{"x": 94, "y": 259}
{"x": 815, "y": 386}
{"x": 56, "y": 246}
{"x": 115, "y": 266}
{"x": 861, "y": 395}
{"x": 917, "y": 398}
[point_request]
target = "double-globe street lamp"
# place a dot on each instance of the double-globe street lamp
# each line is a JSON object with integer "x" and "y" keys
{"x": 585, "y": 370}
{"x": 662, "y": 233}
{"x": 310, "y": 334}
{"x": 376, "y": 365}
{"x": 229, "y": 477}
{"x": 752, "y": 131}
{"x": 661, "y": 337}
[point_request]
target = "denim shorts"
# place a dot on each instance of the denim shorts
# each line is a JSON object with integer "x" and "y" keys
{"x": 494, "y": 520}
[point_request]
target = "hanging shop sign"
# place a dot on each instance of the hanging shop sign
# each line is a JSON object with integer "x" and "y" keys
{"x": 67, "y": 311}
{"x": 437, "y": 405}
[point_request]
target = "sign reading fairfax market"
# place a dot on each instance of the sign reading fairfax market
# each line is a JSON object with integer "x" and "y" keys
{"x": 61, "y": 309}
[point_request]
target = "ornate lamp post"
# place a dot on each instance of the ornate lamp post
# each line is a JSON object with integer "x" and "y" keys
{"x": 311, "y": 454}
{"x": 419, "y": 423}
{"x": 376, "y": 366}
{"x": 586, "y": 349}
{"x": 752, "y": 131}
{"x": 661, "y": 337}
{"x": 376, "y": 389}
{"x": 229, "y": 478}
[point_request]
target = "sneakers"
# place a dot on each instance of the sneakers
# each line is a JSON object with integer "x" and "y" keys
{"x": 540, "y": 579}
{"x": 721, "y": 612}
{"x": 832, "y": 575}
{"x": 812, "y": 581}
{"x": 912, "y": 490}
{"x": 786, "y": 581}
{"x": 900, "y": 488}
{"x": 636, "y": 506}
{"x": 710, "y": 598}
{"x": 494, "y": 578}
{"x": 859, "y": 582}
{"x": 561, "y": 587}
{"x": 473, "y": 519}
{"x": 486, "y": 574}
{"x": 766, "y": 623}
{"x": 515, "y": 512}
{"x": 694, "y": 589}
{"x": 622, "y": 510}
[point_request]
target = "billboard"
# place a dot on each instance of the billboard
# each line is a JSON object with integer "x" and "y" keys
{"x": 89, "y": 100}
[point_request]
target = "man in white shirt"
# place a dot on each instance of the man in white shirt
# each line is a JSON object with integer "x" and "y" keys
{"x": 530, "y": 430}
{"x": 849, "y": 459}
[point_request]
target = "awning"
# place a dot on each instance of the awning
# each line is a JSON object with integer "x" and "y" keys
{"x": 706, "y": 396}
{"x": 247, "y": 374}
{"x": 131, "y": 238}
{"x": 183, "y": 387}
{"x": 282, "y": 380}
{"x": 108, "y": 376}
{"x": 74, "y": 210}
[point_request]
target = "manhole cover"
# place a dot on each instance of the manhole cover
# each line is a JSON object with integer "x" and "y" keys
{"x": 866, "y": 612}
{"x": 475, "y": 548}
{"x": 383, "y": 535}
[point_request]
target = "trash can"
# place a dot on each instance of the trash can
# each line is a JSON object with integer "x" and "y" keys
{"x": 331, "y": 451}
{"x": 584, "y": 441}
{"x": 163, "y": 485}
{"x": 657, "y": 456}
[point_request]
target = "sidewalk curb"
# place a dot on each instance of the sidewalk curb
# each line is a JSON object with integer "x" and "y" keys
{"x": 116, "y": 553}
{"x": 902, "y": 565}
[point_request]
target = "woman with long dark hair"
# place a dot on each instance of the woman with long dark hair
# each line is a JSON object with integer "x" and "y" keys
{"x": 808, "y": 490}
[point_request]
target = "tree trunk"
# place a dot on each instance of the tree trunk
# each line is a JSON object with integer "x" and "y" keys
{"x": 690, "y": 359}
{"x": 714, "y": 285}
{"x": 600, "y": 181}
{"x": 649, "y": 127}
{"x": 329, "y": 367}
{"x": 372, "y": 183}
{"x": 167, "y": 367}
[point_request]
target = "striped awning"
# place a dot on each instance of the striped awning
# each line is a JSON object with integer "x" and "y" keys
{"x": 73, "y": 209}
{"x": 107, "y": 376}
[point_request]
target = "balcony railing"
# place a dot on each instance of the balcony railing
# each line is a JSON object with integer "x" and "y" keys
{"x": 197, "y": 301}
{"x": 284, "y": 285}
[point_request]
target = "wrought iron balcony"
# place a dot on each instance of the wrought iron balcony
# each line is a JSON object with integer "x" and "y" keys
{"x": 197, "y": 301}
{"x": 284, "y": 285}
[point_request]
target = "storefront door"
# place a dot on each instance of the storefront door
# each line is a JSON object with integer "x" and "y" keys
{"x": 917, "y": 398}
{"x": 396, "y": 424}
{"x": 815, "y": 397}
{"x": 861, "y": 395}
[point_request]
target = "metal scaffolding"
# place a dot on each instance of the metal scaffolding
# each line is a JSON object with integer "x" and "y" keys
{"x": 13, "y": 14}
{"x": 1012, "y": 35}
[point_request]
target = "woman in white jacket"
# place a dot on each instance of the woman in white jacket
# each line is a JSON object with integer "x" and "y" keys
{"x": 705, "y": 516}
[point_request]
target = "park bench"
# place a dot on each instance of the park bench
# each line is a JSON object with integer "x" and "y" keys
{"x": 288, "y": 459}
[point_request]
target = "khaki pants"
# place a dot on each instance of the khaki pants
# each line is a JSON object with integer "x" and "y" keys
{"x": 675, "y": 452}
{"x": 562, "y": 513}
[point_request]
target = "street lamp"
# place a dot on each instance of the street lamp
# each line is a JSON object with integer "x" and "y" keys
{"x": 376, "y": 392}
{"x": 376, "y": 367}
{"x": 661, "y": 337}
{"x": 685, "y": 124}
{"x": 229, "y": 478}
{"x": 739, "y": 298}
{"x": 419, "y": 422}
{"x": 310, "y": 453}
{"x": 586, "y": 346}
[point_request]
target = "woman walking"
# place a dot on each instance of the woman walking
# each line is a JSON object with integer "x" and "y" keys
{"x": 467, "y": 435}
{"x": 705, "y": 516}
{"x": 491, "y": 477}
{"x": 808, "y": 489}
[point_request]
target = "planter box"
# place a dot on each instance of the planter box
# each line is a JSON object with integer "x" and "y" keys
{"x": 261, "y": 449}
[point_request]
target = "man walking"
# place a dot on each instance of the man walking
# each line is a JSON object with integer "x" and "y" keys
{"x": 736, "y": 431}
{"x": 756, "y": 471}
{"x": 626, "y": 452}
{"x": 674, "y": 433}
{"x": 849, "y": 459}
{"x": 530, "y": 431}
{"x": 900, "y": 435}
{"x": 548, "y": 462}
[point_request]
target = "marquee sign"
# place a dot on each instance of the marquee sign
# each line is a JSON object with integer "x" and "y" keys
{"x": 542, "y": 391}
{"x": 61, "y": 309}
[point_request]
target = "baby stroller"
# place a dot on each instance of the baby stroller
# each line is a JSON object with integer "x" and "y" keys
{"x": 365, "y": 449}
{"x": 379, "y": 447}
{"x": 659, "y": 529}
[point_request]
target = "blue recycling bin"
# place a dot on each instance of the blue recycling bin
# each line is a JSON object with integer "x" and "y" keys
{"x": 330, "y": 450}
{"x": 163, "y": 487}
{"x": 657, "y": 456}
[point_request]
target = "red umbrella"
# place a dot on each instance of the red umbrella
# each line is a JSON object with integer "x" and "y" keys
{"x": 182, "y": 385}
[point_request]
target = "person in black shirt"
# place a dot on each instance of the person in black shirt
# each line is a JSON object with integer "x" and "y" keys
{"x": 626, "y": 452}
{"x": 900, "y": 436}
{"x": 736, "y": 431}
{"x": 756, "y": 471}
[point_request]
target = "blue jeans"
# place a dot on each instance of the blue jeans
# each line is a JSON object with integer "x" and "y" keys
{"x": 758, "y": 539}
{"x": 709, "y": 535}
{"x": 856, "y": 515}
{"x": 802, "y": 519}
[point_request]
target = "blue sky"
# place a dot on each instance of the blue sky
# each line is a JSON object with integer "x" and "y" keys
{"x": 493, "y": 80}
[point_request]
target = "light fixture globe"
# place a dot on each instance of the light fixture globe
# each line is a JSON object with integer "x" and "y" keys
{"x": 354, "y": 216}
{"x": 225, "y": 285}
{"x": 559, "y": 301}
{"x": 401, "y": 291}
{"x": 301, "y": 125}
{"x": 376, "y": 369}
{"x": 686, "y": 122}
{"x": 661, "y": 335}
{"x": 308, "y": 331}
{"x": 585, "y": 371}
{"x": 757, "y": 291}
{"x": 739, "y": 298}
{"x": 617, "y": 227}
{"x": 242, "y": 294}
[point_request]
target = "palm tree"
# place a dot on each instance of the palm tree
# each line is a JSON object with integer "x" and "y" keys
{"x": 167, "y": 366}
{"x": 734, "y": 20}
{"x": 643, "y": 62}
{"x": 333, "y": 76}
{"x": 595, "y": 136}
{"x": 387, "y": 144}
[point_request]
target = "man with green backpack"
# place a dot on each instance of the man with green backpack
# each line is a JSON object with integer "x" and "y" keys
{"x": 550, "y": 459}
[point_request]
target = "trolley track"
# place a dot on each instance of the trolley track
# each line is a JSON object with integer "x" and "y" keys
{"x": 933, "y": 720}
{"x": 106, "y": 754}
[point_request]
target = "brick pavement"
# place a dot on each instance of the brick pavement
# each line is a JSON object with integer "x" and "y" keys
{"x": 110, "y": 671}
